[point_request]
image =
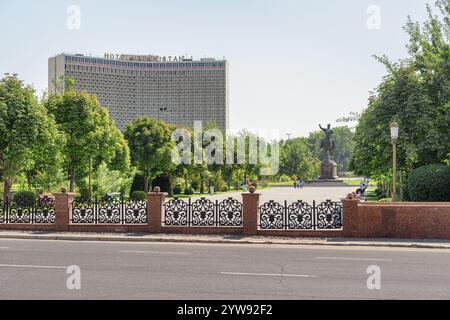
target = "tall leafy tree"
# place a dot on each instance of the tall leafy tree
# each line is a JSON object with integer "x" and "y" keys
{"x": 90, "y": 134}
{"x": 298, "y": 160}
{"x": 415, "y": 93}
{"x": 151, "y": 147}
{"x": 28, "y": 135}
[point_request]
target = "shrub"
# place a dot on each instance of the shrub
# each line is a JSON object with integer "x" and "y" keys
{"x": 137, "y": 184}
{"x": 195, "y": 184}
{"x": 139, "y": 196}
{"x": 430, "y": 183}
{"x": 189, "y": 191}
{"x": 225, "y": 189}
{"x": 24, "y": 198}
{"x": 177, "y": 190}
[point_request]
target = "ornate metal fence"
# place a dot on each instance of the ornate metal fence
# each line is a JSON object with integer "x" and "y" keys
{"x": 203, "y": 213}
{"x": 301, "y": 216}
{"x": 42, "y": 211}
{"x": 111, "y": 211}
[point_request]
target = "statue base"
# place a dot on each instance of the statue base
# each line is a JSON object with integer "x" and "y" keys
{"x": 328, "y": 170}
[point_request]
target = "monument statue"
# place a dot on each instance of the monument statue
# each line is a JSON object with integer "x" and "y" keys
{"x": 328, "y": 144}
{"x": 328, "y": 168}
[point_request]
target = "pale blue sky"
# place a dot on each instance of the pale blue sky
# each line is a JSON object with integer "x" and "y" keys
{"x": 293, "y": 63}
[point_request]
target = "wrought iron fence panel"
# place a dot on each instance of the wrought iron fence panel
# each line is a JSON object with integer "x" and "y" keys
{"x": 45, "y": 211}
{"x": 3, "y": 212}
{"x": 136, "y": 212}
{"x": 230, "y": 213}
{"x": 109, "y": 212}
{"x": 84, "y": 211}
{"x": 272, "y": 216}
{"x": 203, "y": 213}
{"x": 329, "y": 215}
{"x": 300, "y": 216}
{"x": 20, "y": 213}
{"x": 176, "y": 213}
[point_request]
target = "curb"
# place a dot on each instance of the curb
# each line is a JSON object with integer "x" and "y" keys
{"x": 225, "y": 241}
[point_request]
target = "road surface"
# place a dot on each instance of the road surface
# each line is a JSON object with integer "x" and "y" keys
{"x": 36, "y": 269}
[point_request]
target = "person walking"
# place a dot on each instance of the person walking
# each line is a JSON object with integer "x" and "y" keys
{"x": 295, "y": 183}
{"x": 301, "y": 183}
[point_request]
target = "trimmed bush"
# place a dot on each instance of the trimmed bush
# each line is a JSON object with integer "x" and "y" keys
{"x": 225, "y": 189}
{"x": 189, "y": 191}
{"x": 177, "y": 190}
{"x": 430, "y": 183}
{"x": 138, "y": 184}
{"x": 24, "y": 198}
{"x": 139, "y": 196}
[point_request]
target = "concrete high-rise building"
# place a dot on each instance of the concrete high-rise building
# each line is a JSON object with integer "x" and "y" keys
{"x": 174, "y": 89}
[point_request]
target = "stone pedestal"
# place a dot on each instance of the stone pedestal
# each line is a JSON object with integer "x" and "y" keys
{"x": 328, "y": 170}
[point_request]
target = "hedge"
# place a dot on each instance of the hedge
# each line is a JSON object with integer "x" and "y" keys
{"x": 430, "y": 183}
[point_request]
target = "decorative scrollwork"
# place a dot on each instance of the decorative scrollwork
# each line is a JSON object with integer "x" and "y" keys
{"x": 19, "y": 213}
{"x": 45, "y": 211}
{"x": 136, "y": 212}
{"x": 83, "y": 211}
{"x": 329, "y": 215}
{"x": 203, "y": 212}
{"x": 3, "y": 211}
{"x": 176, "y": 213}
{"x": 271, "y": 215}
{"x": 300, "y": 216}
{"x": 109, "y": 212}
{"x": 230, "y": 213}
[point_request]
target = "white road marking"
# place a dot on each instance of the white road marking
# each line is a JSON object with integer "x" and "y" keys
{"x": 268, "y": 275}
{"x": 352, "y": 259}
{"x": 4, "y": 248}
{"x": 157, "y": 252}
{"x": 29, "y": 266}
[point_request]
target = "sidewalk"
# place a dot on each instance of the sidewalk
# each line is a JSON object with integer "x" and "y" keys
{"x": 226, "y": 239}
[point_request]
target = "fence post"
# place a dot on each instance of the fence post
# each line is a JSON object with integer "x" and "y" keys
{"x": 63, "y": 208}
{"x": 250, "y": 202}
{"x": 155, "y": 204}
{"x": 350, "y": 216}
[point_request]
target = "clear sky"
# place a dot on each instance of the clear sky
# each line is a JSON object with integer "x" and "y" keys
{"x": 293, "y": 63}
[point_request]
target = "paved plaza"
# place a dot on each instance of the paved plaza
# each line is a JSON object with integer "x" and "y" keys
{"x": 308, "y": 194}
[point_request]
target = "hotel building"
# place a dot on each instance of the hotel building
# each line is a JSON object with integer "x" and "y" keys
{"x": 174, "y": 89}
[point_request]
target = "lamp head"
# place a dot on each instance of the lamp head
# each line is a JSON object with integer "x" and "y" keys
{"x": 394, "y": 132}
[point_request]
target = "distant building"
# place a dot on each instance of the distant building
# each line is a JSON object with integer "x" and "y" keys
{"x": 174, "y": 89}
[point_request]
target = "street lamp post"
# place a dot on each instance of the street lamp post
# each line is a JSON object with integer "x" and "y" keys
{"x": 394, "y": 138}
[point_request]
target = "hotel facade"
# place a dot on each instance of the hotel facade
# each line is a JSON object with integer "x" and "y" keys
{"x": 174, "y": 89}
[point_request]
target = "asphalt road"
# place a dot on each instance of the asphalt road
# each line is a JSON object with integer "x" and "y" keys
{"x": 36, "y": 269}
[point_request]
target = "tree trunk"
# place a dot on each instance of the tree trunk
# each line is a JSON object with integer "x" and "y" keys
{"x": 146, "y": 185}
{"x": 72, "y": 180}
{"x": 185, "y": 181}
{"x": 7, "y": 189}
{"x": 170, "y": 185}
{"x": 202, "y": 189}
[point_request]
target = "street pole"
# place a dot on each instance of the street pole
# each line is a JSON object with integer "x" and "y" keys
{"x": 394, "y": 180}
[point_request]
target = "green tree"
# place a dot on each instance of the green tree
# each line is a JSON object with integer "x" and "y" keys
{"x": 297, "y": 159}
{"x": 90, "y": 134}
{"x": 28, "y": 135}
{"x": 151, "y": 147}
{"x": 415, "y": 93}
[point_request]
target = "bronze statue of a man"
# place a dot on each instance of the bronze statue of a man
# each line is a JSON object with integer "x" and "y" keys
{"x": 328, "y": 143}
